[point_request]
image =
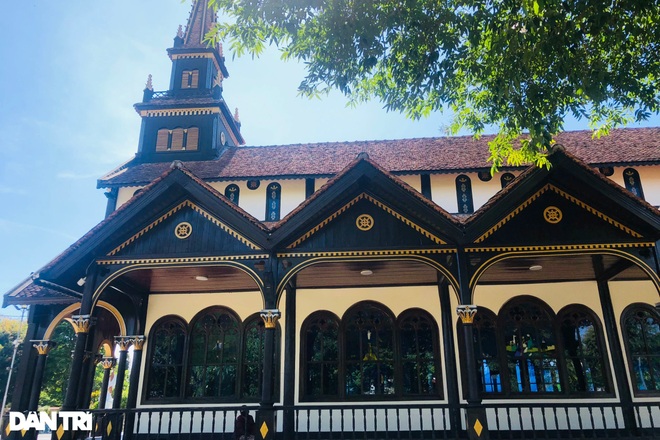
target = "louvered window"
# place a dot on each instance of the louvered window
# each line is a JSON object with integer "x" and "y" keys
{"x": 192, "y": 138}
{"x": 177, "y": 139}
{"x": 163, "y": 140}
{"x": 190, "y": 79}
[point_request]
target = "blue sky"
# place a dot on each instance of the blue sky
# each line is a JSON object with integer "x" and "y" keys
{"x": 69, "y": 76}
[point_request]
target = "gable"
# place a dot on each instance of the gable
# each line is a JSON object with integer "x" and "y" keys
{"x": 554, "y": 217}
{"x": 186, "y": 229}
{"x": 365, "y": 223}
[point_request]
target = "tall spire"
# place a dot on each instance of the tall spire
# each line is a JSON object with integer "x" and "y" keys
{"x": 201, "y": 20}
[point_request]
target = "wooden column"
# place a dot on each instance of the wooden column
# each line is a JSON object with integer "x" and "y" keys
{"x": 131, "y": 401}
{"x": 123, "y": 342}
{"x": 81, "y": 324}
{"x": 266, "y": 416}
{"x": 43, "y": 347}
{"x": 289, "y": 360}
{"x": 107, "y": 363}
{"x": 449, "y": 350}
{"x": 616, "y": 350}
{"x": 476, "y": 414}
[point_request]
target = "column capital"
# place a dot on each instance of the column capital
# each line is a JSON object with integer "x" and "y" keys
{"x": 43, "y": 346}
{"x": 81, "y": 323}
{"x": 466, "y": 313}
{"x": 107, "y": 362}
{"x": 270, "y": 317}
{"x": 138, "y": 341}
{"x": 123, "y": 342}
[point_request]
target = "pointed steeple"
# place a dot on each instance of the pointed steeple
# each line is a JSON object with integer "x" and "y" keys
{"x": 202, "y": 19}
{"x": 190, "y": 121}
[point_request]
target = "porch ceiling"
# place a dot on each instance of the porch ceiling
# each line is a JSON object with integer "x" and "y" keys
{"x": 346, "y": 274}
{"x": 184, "y": 280}
{"x": 557, "y": 269}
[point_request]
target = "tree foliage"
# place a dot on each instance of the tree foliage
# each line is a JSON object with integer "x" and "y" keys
{"x": 523, "y": 66}
{"x": 9, "y": 329}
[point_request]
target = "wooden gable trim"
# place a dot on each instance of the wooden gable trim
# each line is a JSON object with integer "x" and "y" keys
{"x": 364, "y": 196}
{"x": 194, "y": 207}
{"x": 575, "y": 200}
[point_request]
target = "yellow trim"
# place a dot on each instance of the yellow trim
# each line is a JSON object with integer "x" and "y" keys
{"x": 559, "y": 253}
{"x": 176, "y": 56}
{"x": 194, "y": 207}
{"x": 384, "y": 207}
{"x": 565, "y": 195}
{"x": 559, "y": 247}
{"x": 139, "y": 266}
{"x": 180, "y": 112}
{"x": 213, "y": 259}
{"x": 366, "y": 253}
{"x": 420, "y": 258}
{"x": 73, "y": 307}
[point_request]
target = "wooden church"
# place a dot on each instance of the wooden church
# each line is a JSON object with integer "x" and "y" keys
{"x": 376, "y": 290}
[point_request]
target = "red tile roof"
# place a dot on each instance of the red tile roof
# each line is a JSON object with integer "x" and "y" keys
{"x": 445, "y": 154}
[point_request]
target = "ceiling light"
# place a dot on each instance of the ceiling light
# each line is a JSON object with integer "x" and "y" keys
{"x": 535, "y": 267}
{"x": 366, "y": 272}
{"x": 201, "y": 278}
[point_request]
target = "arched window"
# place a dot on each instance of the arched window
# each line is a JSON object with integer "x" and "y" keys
{"x": 191, "y": 139}
{"x": 632, "y": 182}
{"x": 176, "y": 143}
{"x": 368, "y": 331}
{"x": 190, "y": 79}
{"x": 253, "y": 358}
{"x": 320, "y": 353}
{"x": 506, "y": 179}
{"x": 232, "y": 192}
{"x": 273, "y": 195}
{"x": 486, "y": 350}
{"x": 167, "y": 350}
{"x": 526, "y": 324}
{"x": 214, "y": 354}
{"x": 464, "y": 194}
{"x": 641, "y": 327}
{"x": 418, "y": 334}
{"x": 582, "y": 343}
{"x": 163, "y": 141}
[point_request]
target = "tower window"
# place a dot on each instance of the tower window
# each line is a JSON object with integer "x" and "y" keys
{"x": 273, "y": 195}
{"x": 232, "y": 192}
{"x": 163, "y": 139}
{"x": 177, "y": 139}
{"x": 632, "y": 182}
{"x": 464, "y": 195}
{"x": 190, "y": 79}
{"x": 506, "y": 179}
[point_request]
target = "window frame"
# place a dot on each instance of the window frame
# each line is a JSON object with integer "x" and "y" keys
{"x": 151, "y": 346}
{"x": 600, "y": 339}
{"x": 625, "y": 315}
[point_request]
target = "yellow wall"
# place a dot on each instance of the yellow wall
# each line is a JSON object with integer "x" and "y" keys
{"x": 125, "y": 193}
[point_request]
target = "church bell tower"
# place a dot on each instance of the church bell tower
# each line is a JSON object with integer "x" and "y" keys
{"x": 189, "y": 121}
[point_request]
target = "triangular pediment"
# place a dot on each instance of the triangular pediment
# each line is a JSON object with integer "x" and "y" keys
{"x": 554, "y": 217}
{"x": 365, "y": 222}
{"x": 187, "y": 228}
{"x": 569, "y": 206}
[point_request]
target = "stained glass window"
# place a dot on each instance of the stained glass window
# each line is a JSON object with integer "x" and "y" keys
{"x": 369, "y": 350}
{"x": 583, "y": 353}
{"x": 417, "y": 341}
{"x": 641, "y": 324}
{"x": 214, "y": 357}
{"x": 530, "y": 344}
{"x": 320, "y": 335}
{"x": 167, "y": 357}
